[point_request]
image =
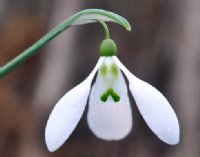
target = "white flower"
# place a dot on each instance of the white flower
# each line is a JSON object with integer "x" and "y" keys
{"x": 109, "y": 114}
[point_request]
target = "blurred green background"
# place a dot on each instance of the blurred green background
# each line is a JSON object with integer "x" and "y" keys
{"x": 162, "y": 49}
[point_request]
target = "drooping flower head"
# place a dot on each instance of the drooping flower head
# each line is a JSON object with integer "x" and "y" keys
{"x": 109, "y": 113}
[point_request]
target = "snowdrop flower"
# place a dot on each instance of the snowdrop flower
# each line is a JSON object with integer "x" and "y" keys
{"x": 109, "y": 114}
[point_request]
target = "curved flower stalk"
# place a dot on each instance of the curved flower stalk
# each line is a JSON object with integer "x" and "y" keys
{"x": 82, "y": 17}
{"x": 109, "y": 113}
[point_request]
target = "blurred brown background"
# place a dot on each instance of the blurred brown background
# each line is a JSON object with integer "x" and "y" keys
{"x": 163, "y": 49}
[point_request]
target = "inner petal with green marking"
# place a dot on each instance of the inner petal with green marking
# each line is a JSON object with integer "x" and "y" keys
{"x": 112, "y": 93}
{"x": 110, "y": 81}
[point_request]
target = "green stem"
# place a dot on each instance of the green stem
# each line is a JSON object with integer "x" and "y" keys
{"x": 82, "y": 17}
{"x": 105, "y": 28}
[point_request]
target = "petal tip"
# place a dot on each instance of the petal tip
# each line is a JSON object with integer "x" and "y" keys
{"x": 49, "y": 143}
{"x": 172, "y": 138}
{"x": 50, "y": 148}
{"x": 52, "y": 141}
{"x": 173, "y": 141}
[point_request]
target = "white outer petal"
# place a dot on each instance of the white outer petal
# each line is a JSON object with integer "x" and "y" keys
{"x": 154, "y": 107}
{"x": 67, "y": 112}
{"x": 109, "y": 120}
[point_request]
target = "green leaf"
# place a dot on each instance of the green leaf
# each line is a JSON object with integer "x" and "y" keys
{"x": 92, "y": 15}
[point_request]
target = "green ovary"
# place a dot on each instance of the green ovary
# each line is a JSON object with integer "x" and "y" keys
{"x": 112, "y": 93}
